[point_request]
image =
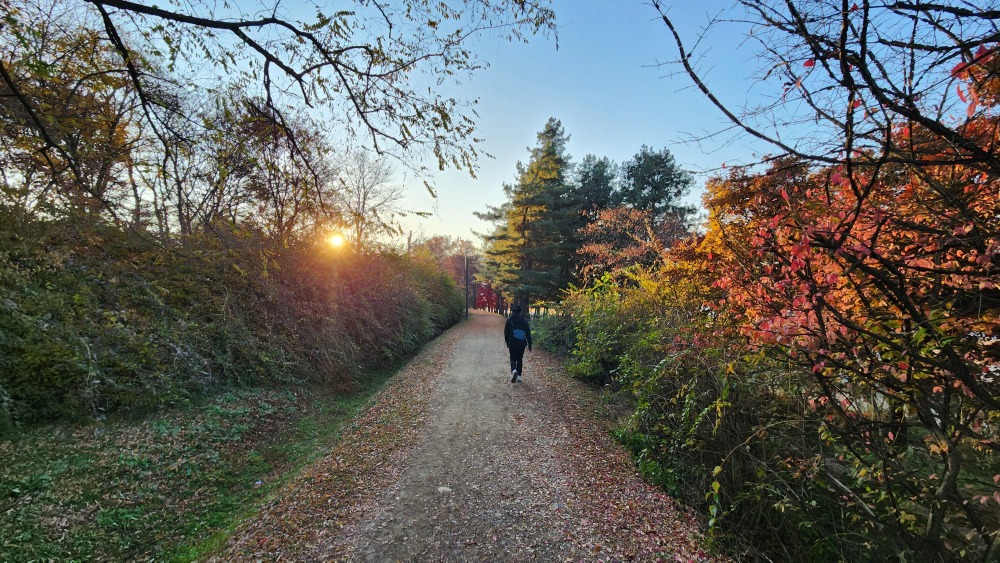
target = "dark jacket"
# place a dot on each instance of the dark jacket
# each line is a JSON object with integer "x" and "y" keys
{"x": 517, "y": 326}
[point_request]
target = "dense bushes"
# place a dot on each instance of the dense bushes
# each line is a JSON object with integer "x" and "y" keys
{"x": 747, "y": 436}
{"x": 704, "y": 423}
{"x": 645, "y": 339}
{"x": 107, "y": 321}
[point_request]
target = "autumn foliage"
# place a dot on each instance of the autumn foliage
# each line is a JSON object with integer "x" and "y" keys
{"x": 160, "y": 240}
{"x": 881, "y": 288}
{"x": 819, "y": 370}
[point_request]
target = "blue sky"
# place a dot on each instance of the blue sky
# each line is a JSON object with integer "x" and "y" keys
{"x": 605, "y": 85}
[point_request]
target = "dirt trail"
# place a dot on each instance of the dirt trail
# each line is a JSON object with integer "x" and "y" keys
{"x": 476, "y": 469}
{"x": 483, "y": 482}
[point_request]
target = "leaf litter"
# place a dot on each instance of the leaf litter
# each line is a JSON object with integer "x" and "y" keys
{"x": 451, "y": 462}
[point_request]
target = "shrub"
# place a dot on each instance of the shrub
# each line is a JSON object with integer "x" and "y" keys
{"x": 113, "y": 323}
{"x": 746, "y": 435}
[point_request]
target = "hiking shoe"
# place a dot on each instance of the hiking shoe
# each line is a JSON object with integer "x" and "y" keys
{"x": 519, "y": 380}
{"x": 513, "y": 376}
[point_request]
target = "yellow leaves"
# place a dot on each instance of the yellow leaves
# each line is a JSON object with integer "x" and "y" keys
{"x": 936, "y": 445}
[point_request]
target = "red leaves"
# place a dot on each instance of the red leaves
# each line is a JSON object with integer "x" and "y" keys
{"x": 890, "y": 262}
{"x": 977, "y": 74}
{"x": 972, "y": 98}
{"x": 809, "y": 63}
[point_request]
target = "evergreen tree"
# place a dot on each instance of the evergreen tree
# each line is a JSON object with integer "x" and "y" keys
{"x": 595, "y": 184}
{"x": 501, "y": 265}
{"x": 652, "y": 181}
{"x": 532, "y": 250}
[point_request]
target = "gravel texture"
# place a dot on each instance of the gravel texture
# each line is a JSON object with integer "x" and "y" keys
{"x": 452, "y": 462}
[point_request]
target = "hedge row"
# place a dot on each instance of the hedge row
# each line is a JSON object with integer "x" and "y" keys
{"x": 107, "y": 321}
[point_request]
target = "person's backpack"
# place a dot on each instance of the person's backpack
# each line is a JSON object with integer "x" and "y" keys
{"x": 519, "y": 334}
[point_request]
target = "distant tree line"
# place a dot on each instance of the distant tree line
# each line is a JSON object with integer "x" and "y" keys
{"x": 176, "y": 120}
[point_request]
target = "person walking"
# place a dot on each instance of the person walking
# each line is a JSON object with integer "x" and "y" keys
{"x": 517, "y": 335}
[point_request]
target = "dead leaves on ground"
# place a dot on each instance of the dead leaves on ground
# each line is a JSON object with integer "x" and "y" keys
{"x": 306, "y": 519}
{"x": 604, "y": 507}
{"x": 609, "y": 499}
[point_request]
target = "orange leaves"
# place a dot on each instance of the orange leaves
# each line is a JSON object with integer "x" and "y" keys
{"x": 972, "y": 99}
{"x": 963, "y": 229}
{"x": 936, "y": 446}
{"x": 980, "y": 59}
{"x": 820, "y": 236}
{"x": 982, "y": 87}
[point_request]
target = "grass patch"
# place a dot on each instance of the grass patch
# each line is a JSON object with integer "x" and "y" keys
{"x": 169, "y": 487}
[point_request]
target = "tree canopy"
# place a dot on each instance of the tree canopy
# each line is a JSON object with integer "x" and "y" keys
{"x": 566, "y": 223}
{"x": 140, "y": 110}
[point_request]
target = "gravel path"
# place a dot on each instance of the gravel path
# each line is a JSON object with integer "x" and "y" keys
{"x": 455, "y": 463}
{"x": 482, "y": 484}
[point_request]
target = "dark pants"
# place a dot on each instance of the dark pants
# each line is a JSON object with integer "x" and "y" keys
{"x": 517, "y": 357}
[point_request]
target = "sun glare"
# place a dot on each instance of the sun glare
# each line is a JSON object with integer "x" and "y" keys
{"x": 336, "y": 241}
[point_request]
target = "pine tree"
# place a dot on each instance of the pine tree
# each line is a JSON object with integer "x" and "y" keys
{"x": 532, "y": 250}
{"x": 652, "y": 181}
{"x": 596, "y": 182}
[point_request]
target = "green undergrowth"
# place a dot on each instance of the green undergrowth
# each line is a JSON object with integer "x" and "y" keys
{"x": 166, "y": 488}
